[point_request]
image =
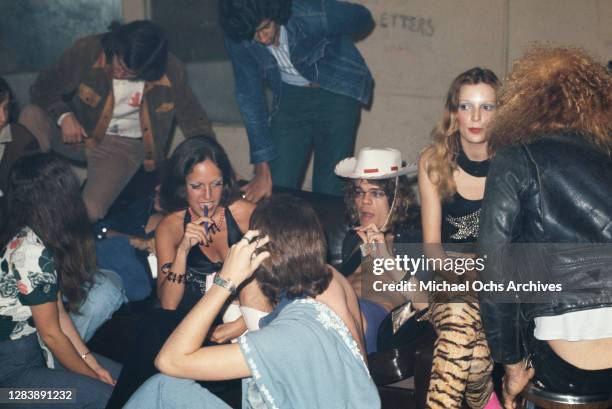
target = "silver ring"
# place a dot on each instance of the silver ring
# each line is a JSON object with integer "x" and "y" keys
{"x": 252, "y": 239}
{"x": 244, "y": 195}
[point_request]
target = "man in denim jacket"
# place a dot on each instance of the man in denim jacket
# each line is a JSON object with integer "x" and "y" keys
{"x": 304, "y": 50}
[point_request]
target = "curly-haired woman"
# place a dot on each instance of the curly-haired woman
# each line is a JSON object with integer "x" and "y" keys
{"x": 551, "y": 182}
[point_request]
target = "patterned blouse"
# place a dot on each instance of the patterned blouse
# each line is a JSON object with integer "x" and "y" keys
{"x": 27, "y": 277}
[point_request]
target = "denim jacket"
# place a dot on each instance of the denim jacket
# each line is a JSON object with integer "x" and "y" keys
{"x": 322, "y": 50}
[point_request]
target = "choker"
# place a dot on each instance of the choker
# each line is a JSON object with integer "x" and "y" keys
{"x": 473, "y": 168}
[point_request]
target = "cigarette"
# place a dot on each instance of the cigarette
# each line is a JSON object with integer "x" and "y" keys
{"x": 206, "y": 223}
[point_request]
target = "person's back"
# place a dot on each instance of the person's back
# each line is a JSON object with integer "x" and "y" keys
{"x": 341, "y": 298}
{"x": 547, "y": 198}
{"x": 577, "y": 184}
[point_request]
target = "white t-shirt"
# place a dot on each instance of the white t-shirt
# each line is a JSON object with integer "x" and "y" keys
{"x": 126, "y": 113}
{"x": 575, "y": 325}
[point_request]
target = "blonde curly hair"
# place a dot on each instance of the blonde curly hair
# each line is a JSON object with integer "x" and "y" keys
{"x": 554, "y": 90}
{"x": 442, "y": 153}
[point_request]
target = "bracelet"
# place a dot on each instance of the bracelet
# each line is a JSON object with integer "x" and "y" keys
{"x": 223, "y": 283}
{"x": 171, "y": 276}
{"x": 83, "y": 356}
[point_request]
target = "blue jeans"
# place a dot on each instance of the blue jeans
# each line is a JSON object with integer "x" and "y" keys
{"x": 556, "y": 375}
{"x": 104, "y": 297}
{"x": 117, "y": 254}
{"x": 22, "y": 366}
{"x": 374, "y": 314}
{"x": 166, "y": 392}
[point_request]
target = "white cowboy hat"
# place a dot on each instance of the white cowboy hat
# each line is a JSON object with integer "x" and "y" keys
{"x": 374, "y": 163}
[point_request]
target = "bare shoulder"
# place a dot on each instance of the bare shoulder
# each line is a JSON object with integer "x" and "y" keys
{"x": 241, "y": 211}
{"x": 339, "y": 279}
{"x": 338, "y": 290}
{"x": 425, "y": 157}
{"x": 171, "y": 226}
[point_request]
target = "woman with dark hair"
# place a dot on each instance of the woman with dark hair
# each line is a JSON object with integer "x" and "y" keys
{"x": 15, "y": 140}
{"x": 47, "y": 255}
{"x": 307, "y": 353}
{"x": 452, "y": 173}
{"x": 206, "y": 217}
{"x": 550, "y": 182}
{"x": 380, "y": 204}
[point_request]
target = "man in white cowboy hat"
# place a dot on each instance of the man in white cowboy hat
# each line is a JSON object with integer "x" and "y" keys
{"x": 381, "y": 206}
{"x": 374, "y": 163}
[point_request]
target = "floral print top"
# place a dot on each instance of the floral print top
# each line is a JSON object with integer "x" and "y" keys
{"x": 27, "y": 277}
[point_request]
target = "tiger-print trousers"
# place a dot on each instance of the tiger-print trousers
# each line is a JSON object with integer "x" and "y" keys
{"x": 462, "y": 363}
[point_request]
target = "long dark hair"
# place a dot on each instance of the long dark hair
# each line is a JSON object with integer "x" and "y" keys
{"x": 189, "y": 153}
{"x": 296, "y": 266}
{"x": 44, "y": 195}
{"x": 405, "y": 212}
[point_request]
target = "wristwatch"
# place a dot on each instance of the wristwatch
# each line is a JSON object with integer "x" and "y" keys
{"x": 227, "y": 284}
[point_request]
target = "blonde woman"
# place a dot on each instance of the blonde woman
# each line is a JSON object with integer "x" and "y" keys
{"x": 452, "y": 173}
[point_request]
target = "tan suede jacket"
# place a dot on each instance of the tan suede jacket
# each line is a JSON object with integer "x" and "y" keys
{"x": 81, "y": 82}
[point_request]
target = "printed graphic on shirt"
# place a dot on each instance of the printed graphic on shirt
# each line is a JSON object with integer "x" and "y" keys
{"x": 126, "y": 112}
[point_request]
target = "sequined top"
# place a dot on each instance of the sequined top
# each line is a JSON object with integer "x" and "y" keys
{"x": 460, "y": 220}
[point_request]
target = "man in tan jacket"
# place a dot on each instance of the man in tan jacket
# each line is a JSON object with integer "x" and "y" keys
{"x": 111, "y": 101}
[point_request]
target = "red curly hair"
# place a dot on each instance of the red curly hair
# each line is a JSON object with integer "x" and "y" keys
{"x": 554, "y": 90}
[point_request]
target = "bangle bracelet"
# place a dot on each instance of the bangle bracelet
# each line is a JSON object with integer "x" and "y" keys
{"x": 83, "y": 356}
{"x": 223, "y": 283}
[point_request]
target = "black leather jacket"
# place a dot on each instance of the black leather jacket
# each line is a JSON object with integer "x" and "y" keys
{"x": 555, "y": 190}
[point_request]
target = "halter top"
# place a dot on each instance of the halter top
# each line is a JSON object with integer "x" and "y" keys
{"x": 460, "y": 219}
{"x": 199, "y": 266}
